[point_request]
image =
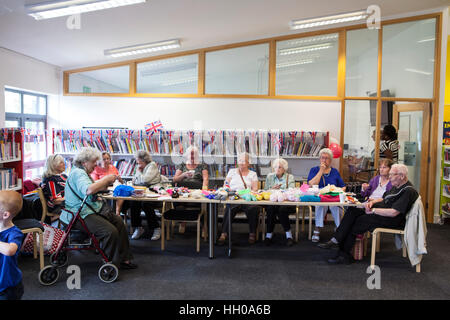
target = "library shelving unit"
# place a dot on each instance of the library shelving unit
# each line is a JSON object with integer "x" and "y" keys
{"x": 218, "y": 148}
{"x": 11, "y": 159}
{"x": 445, "y": 183}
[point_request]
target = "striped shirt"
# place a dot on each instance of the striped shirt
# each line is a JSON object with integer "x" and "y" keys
{"x": 389, "y": 145}
{"x": 53, "y": 188}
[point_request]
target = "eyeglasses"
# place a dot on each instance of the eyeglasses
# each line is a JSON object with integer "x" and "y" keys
{"x": 394, "y": 174}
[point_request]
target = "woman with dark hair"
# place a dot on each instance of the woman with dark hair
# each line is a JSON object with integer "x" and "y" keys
{"x": 389, "y": 147}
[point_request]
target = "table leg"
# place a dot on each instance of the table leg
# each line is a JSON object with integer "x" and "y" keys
{"x": 229, "y": 231}
{"x": 211, "y": 230}
{"x": 310, "y": 222}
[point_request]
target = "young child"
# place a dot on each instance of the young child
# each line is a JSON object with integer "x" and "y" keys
{"x": 11, "y": 287}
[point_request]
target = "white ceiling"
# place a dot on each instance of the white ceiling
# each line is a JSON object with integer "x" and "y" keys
{"x": 198, "y": 23}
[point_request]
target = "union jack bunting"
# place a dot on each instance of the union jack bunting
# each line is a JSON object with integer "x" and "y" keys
{"x": 153, "y": 127}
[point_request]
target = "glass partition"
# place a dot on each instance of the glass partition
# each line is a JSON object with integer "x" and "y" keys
{"x": 408, "y": 58}
{"x": 243, "y": 70}
{"x": 361, "y": 66}
{"x": 174, "y": 75}
{"x": 109, "y": 80}
{"x": 307, "y": 66}
{"x": 359, "y": 140}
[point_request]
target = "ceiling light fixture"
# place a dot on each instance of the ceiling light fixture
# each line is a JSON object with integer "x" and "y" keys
{"x": 293, "y": 63}
{"x": 59, "y": 8}
{"x": 143, "y": 48}
{"x": 333, "y": 19}
{"x": 283, "y": 52}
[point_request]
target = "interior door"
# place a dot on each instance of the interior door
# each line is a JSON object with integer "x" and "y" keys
{"x": 412, "y": 121}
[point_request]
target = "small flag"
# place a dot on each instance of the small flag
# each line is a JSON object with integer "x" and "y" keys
{"x": 153, "y": 127}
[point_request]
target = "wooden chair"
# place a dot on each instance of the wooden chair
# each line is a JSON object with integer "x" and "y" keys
{"x": 28, "y": 226}
{"x": 376, "y": 239}
{"x": 297, "y": 218}
{"x": 45, "y": 212}
{"x": 169, "y": 215}
{"x": 262, "y": 223}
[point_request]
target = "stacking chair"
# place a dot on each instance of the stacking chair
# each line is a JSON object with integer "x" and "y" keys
{"x": 35, "y": 228}
{"x": 376, "y": 239}
{"x": 45, "y": 212}
{"x": 169, "y": 214}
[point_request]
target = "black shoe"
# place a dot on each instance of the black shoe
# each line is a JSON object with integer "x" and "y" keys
{"x": 268, "y": 241}
{"x": 289, "y": 242}
{"x": 128, "y": 266}
{"x": 328, "y": 245}
{"x": 340, "y": 259}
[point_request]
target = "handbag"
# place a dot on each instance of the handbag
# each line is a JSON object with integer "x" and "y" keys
{"x": 358, "y": 248}
{"x": 105, "y": 210}
{"x": 53, "y": 239}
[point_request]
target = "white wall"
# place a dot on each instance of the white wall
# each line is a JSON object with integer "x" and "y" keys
{"x": 22, "y": 72}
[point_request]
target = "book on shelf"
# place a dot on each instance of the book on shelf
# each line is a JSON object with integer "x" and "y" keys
{"x": 8, "y": 178}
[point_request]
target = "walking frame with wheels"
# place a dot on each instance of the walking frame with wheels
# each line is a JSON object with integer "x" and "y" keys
{"x": 108, "y": 272}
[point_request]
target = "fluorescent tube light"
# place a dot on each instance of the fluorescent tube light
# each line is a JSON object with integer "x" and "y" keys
{"x": 333, "y": 19}
{"x": 59, "y": 8}
{"x": 143, "y": 48}
{"x": 283, "y": 52}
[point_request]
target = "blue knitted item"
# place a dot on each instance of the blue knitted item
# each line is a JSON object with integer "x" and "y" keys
{"x": 307, "y": 198}
{"x": 123, "y": 191}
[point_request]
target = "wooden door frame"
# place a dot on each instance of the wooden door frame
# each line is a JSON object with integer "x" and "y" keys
{"x": 424, "y": 164}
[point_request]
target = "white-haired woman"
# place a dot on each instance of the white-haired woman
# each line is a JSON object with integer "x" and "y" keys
{"x": 322, "y": 176}
{"x": 238, "y": 179}
{"x": 147, "y": 174}
{"x": 191, "y": 174}
{"x": 53, "y": 183}
{"x": 97, "y": 214}
{"x": 279, "y": 179}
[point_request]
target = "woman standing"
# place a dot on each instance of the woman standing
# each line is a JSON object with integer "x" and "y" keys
{"x": 389, "y": 147}
{"x": 322, "y": 176}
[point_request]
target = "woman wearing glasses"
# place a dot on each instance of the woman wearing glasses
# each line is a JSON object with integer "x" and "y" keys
{"x": 322, "y": 176}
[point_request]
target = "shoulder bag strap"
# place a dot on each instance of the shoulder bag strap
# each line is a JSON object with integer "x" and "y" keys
{"x": 89, "y": 206}
{"x": 287, "y": 180}
{"x": 245, "y": 185}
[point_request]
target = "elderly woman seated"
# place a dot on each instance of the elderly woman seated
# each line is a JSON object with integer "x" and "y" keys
{"x": 147, "y": 174}
{"x": 279, "y": 179}
{"x": 193, "y": 174}
{"x": 54, "y": 182}
{"x": 322, "y": 176}
{"x": 97, "y": 214}
{"x": 238, "y": 179}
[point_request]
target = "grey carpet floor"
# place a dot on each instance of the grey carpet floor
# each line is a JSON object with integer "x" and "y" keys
{"x": 254, "y": 272}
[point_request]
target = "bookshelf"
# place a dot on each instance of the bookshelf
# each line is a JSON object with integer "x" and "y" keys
{"x": 218, "y": 148}
{"x": 11, "y": 160}
{"x": 445, "y": 183}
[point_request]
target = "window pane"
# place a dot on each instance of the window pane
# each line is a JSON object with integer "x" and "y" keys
{"x": 307, "y": 66}
{"x": 11, "y": 123}
{"x": 111, "y": 80}
{"x": 175, "y": 75}
{"x": 362, "y": 63}
{"x": 359, "y": 139}
{"x": 34, "y": 104}
{"x": 35, "y": 147}
{"x": 33, "y": 173}
{"x": 243, "y": 70}
{"x": 408, "y": 59}
{"x": 12, "y": 102}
